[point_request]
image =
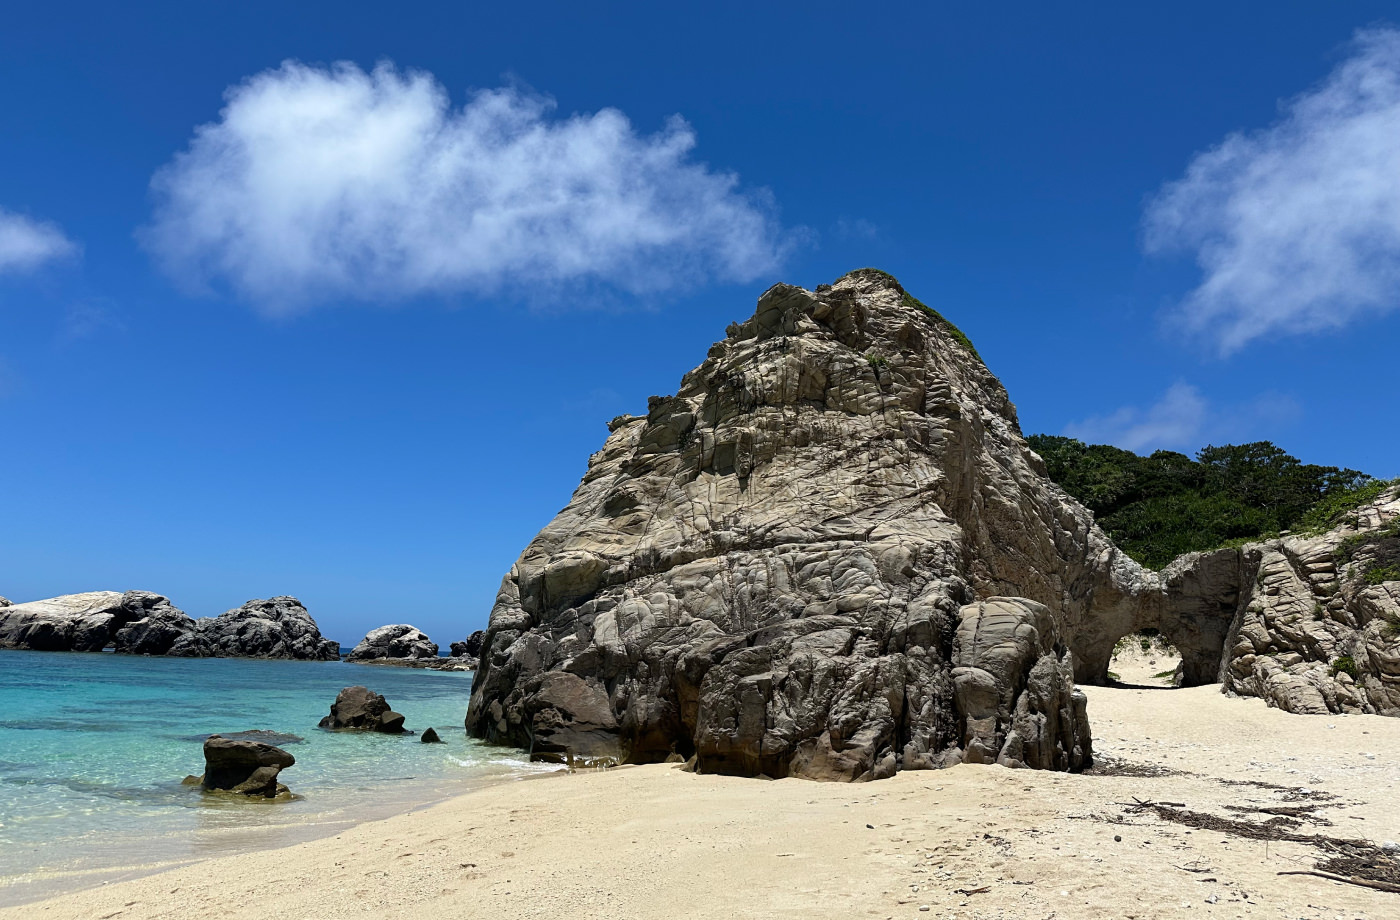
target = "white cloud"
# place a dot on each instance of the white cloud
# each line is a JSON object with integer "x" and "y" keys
{"x": 1183, "y": 419}
{"x": 1175, "y": 421}
{"x": 26, "y": 243}
{"x": 1297, "y": 227}
{"x": 318, "y": 183}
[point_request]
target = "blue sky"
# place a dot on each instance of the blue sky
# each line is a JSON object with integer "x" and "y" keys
{"x": 335, "y": 301}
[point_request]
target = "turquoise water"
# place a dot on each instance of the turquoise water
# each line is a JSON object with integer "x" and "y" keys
{"x": 93, "y": 749}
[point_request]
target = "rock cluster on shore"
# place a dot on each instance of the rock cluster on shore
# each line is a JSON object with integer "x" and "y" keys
{"x": 142, "y": 623}
{"x": 832, "y": 554}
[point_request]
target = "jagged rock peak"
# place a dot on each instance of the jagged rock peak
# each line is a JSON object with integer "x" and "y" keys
{"x": 768, "y": 570}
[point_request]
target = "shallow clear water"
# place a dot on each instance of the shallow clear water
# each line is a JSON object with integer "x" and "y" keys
{"x": 93, "y": 749}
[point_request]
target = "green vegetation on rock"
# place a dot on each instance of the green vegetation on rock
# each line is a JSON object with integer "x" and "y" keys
{"x": 911, "y": 301}
{"x": 1160, "y": 506}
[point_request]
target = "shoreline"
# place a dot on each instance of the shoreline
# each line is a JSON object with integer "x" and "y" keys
{"x": 25, "y": 889}
{"x": 971, "y": 841}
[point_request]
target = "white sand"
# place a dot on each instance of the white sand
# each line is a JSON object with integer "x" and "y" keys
{"x": 657, "y": 842}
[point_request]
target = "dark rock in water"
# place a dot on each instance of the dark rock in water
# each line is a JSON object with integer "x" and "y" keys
{"x": 278, "y": 627}
{"x": 245, "y": 767}
{"x": 361, "y": 709}
{"x": 470, "y": 647}
{"x": 430, "y": 736}
{"x": 397, "y": 641}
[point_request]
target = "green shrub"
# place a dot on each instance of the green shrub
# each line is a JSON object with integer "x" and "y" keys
{"x": 1345, "y": 665}
{"x": 1331, "y": 509}
{"x": 876, "y": 360}
{"x": 912, "y": 301}
{"x": 1381, "y": 574}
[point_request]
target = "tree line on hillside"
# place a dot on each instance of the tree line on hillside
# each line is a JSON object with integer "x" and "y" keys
{"x": 1157, "y": 507}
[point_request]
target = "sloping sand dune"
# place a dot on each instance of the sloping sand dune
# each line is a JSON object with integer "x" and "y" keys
{"x": 970, "y": 842}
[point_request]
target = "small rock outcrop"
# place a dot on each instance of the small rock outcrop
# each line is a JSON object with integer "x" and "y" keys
{"x": 430, "y": 736}
{"x": 1315, "y": 625}
{"x": 278, "y": 627}
{"x": 397, "y": 641}
{"x": 469, "y": 647}
{"x": 244, "y": 767}
{"x": 769, "y": 570}
{"x": 361, "y": 709}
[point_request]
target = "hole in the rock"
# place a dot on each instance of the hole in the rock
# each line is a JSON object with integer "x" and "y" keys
{"x": 1145, "y": 659}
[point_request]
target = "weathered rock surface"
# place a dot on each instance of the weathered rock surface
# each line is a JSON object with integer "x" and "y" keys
{"x": 469, "y": 647}
{"x": 1315, "y": 625}
{"x": 361, "y": 709}
{"x": 156, "y": 628}
{"x": 1013, "y": 684}
{"x": 397, "y": 641}
{"x": 245, "y": 767}
{"x": 278, "y": 627}
{"x": 87, "y": 622}
{"x": 769, "y": 570}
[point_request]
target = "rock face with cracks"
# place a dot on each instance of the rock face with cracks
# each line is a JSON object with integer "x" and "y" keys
{"x": 1316, "y": 620}
{"x": 771, "y": 569}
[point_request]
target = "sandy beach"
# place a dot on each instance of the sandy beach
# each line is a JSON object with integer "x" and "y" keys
{"x": 969, "y": 842}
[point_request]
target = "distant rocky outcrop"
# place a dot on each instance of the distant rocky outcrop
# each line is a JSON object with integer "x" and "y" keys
{"x": 143, "y": 623}
{"x": 244, "y": 767}
{"x": 278, "y": 627}
{"x": 469, "y": 647}
{"x": 771, "y": 571}
{"x": 87, "y": 622}
{"x": 4, "y": 602}
{"x": 397, "y": 641}
{"x": 155, "y": 630}
{"x": 361, "y": 709}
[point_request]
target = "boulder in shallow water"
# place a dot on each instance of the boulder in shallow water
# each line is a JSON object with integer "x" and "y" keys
{"x": 244, "y": 767}
{"x": 399, "y": 640}
{"x": 430, "y": 736}
{"x": 361, "y": 709}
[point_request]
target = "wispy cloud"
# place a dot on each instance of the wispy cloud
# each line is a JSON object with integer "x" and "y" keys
{"x": 1173, "y": 421}
{"x": 26, "y": 244}
{"x": 1296, "y": 228}
{"x": 319, "y": 183}
{"x": 1183, "y": 419}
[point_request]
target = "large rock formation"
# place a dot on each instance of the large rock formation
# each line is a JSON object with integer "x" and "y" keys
{"x": 278, "y": 627}
{"x": 769, "y": 570}
{"x": 397, "y": 641}
{"x": 87, "y": 622}
{"x": 469, "y": 647}
{"x": 142, "y": 623}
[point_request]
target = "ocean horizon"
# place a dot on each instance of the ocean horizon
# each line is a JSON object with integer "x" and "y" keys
{"x": 94, "y": 748}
